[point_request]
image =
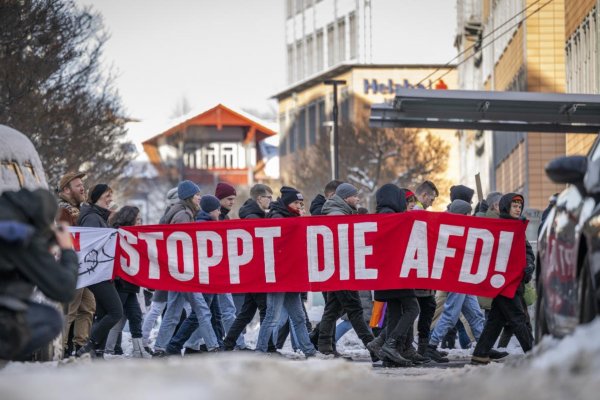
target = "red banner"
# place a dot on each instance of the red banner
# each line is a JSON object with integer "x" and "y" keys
{"x": 417, "y": 249}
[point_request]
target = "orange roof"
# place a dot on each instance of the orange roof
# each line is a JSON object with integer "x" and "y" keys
{"x": 218, "y": 116}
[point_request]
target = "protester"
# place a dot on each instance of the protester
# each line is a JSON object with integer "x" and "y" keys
{"x": 508, "y": 310}
{"x": 226, "y": 195}
{"x": 26, "y": 261}
{"x": 256, "y": 207}
{"x": 128, "y": 293}
{"x": 79, "y": 314}
{"x": 287, "y": 206}
{"x": 109, "y": 309}
{"x": 341, "y": 302}
{"x": 185, "y": 212}
{"x": 317, "y": 204}
{"x": 426, "y": 194}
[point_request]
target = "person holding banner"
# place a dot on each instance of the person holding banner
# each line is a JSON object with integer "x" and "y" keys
{"x": 182, "y": 212}
{"x": 287, "y": 206}
{"x": 109, "y": 309}
{"x": 226, "y": 195}
{"x": 508, "y": 310}
{"x": 341, "y": 302}
{"x": 402, "y": 304}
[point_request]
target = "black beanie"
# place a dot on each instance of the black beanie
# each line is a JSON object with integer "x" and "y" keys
{"x": 290, "y": 195}
{"x": 461, "y": 192}
{"x": 97, "y": 191}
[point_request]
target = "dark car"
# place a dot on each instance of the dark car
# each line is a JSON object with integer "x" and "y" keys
{"x": 568, "y": 259}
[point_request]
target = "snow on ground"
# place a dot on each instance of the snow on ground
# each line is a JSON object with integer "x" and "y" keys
{"x": 569, "y": 368}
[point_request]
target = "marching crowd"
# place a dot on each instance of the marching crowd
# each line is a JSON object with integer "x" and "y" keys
{"x": 193, "y": 322}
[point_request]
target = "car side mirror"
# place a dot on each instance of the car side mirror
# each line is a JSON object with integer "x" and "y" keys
{"x": 570, "y": 169}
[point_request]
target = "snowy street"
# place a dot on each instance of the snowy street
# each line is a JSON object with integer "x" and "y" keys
{"x": 567, "y": 369}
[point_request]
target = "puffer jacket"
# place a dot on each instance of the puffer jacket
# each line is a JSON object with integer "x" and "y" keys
{"x": 251, "y": 210}
{"x": 280, "y": 210}
{"x": 337, "y": 206}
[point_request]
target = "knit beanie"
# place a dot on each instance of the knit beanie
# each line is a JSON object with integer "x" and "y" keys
{"x": 97, "y": 192}
{"x": 209, "y": 203}
{"x": 346, "y": 190}
{"x": 461, "y": 192}
{"x": 290, "y": 195}
{"x": 224, "y": 190}
{"x": 187, "y": 189}
{"x": 459, "y": 206}
{"x": 408, "y": 194}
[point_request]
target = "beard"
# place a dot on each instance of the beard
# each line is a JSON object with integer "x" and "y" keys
{"x": 78, "y": 198}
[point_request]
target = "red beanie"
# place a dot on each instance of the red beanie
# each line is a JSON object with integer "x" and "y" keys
{"x": 408, "y": 194}
{"x": 224, "y": 190}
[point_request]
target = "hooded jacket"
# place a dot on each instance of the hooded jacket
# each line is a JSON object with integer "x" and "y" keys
{"x": 251, "y": 210}
{"x": 504, "y": 207}
{"x": 179, "y": 213}
{"x": 203, "y": 216}
{"x": 317, "y": 205}
{"x": 31, "y": 264}
{"x": 337, "y": 206}
{"x": 280, "y": 210}
{"x": 93, "y": 216}
{"x": 390, "y": 200}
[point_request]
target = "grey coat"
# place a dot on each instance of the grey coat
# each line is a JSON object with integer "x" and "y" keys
{"x": 337, "y": 206}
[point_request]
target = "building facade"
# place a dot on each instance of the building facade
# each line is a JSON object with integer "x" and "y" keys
{"x": 305, "y": 110}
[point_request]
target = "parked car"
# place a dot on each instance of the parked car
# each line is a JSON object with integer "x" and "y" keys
{"x": 568, "y": 259}
{"x": 20, "y": 167}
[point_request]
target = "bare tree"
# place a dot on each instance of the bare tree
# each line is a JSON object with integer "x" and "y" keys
{"x": 52, "y": 89}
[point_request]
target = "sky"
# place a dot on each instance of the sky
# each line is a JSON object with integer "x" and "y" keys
{"x": 228, "y": 51}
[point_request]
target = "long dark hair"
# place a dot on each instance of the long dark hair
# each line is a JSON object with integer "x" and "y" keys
{"x": 126, "y": 216}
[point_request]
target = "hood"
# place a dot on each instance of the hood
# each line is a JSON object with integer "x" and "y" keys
{"x": 37, "y": 208}
{"x": 279, "y": 209}
{"x": 251, "y": 207}
{"x": 337, "y": 205}
{"x": 461, "y": 192}
{"x": 316, "y": 205}
{"x": 87, "y": 209}
{"x": 390, "y": 197}
{"x": 504, "y": 205}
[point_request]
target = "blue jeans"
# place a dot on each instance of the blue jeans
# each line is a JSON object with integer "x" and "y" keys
{"x": 454, "y": 305}
{"x": 175, "y": 304}
{"x": 292, "y": 303}
{"x": 342, "y": 328}
{"x": 227, "y": 308}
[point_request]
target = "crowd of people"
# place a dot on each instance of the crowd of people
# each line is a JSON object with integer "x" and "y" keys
{"x": 192, "y": 323}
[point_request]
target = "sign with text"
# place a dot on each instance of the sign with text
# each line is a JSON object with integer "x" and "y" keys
{"x": 416, "y": 249}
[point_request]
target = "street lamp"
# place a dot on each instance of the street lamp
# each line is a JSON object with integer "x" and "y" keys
{"x": 335, "y": 137}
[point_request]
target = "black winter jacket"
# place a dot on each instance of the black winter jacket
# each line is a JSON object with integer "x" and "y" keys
{"x": 390, "y": 199}
{"x": 317, "y": 205}
{"x": 31, "y": 264}
{"x": 280, "y": 210}
{"x": 251, "y": 210}
{"x": 93, "y": 216}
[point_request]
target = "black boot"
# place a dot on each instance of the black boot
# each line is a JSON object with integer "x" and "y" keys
{"x": 88, "y": 348}
{"x": 434, "y": 354}
{"x": 411, "y": 354}
{"x": 422, "y": 346}
{"x": 449, "y": 341}
{"x": 390, "y": 352}
{"x": 374, "y": 346}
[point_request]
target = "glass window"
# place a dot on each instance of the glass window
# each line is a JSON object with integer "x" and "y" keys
{"x": 330, "y": 46}
{"x": 302, "y": 129}
{"x": 310, "y": 56}
{"x": 320, "y": 51}
{"x": 312, "y": 124}
{"x": 290, "y": 61}
{"x": 341, "y": 50}
{"x": 353, "y": 36}
{"x": 322, "y": 118}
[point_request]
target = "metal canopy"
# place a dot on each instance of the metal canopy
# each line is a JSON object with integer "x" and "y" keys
{"x": 481, "y": 110}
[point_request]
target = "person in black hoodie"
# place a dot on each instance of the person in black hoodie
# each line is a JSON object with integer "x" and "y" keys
{"x": 508, "y": 311}
{"x": 127, "y": 216}
{"x": 109, "y": 309}
{"x": 28, "y": 262}
{"x": 318, "y": 202}
{"x": 402, "y": 304}
{"x": 255, "y": 207}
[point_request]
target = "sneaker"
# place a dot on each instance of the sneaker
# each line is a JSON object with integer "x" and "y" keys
{"x": 480, "y": 360}
{"x": 149, "y": 350}
{"x": 187, "y": 352}
{"x": 496, "y": 355}
{"x": 434, "y": 355}
{"x": 87, "y": 349}
{"x": 321, "y": 356}
{"x": 160, "y": 354}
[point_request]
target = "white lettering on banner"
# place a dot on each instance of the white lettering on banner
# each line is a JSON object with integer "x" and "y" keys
{"x": 504, "y": 247}
{"x": 132, "y": 267}
{"x": 267, "y": 235}
{"x": 151, "y": 238}
{"x": 361, "y": 250}
{"x": 344, "y": 252}
{"x": 237, "y": 259}
{"x": 417, "y": 255}
{"x": 474, "y": 235}
{"x": 173, "y": 241}
{"x": 204, "y": 260}
{"x": 442, "y": 251}
{"x": 315, "y": 274}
